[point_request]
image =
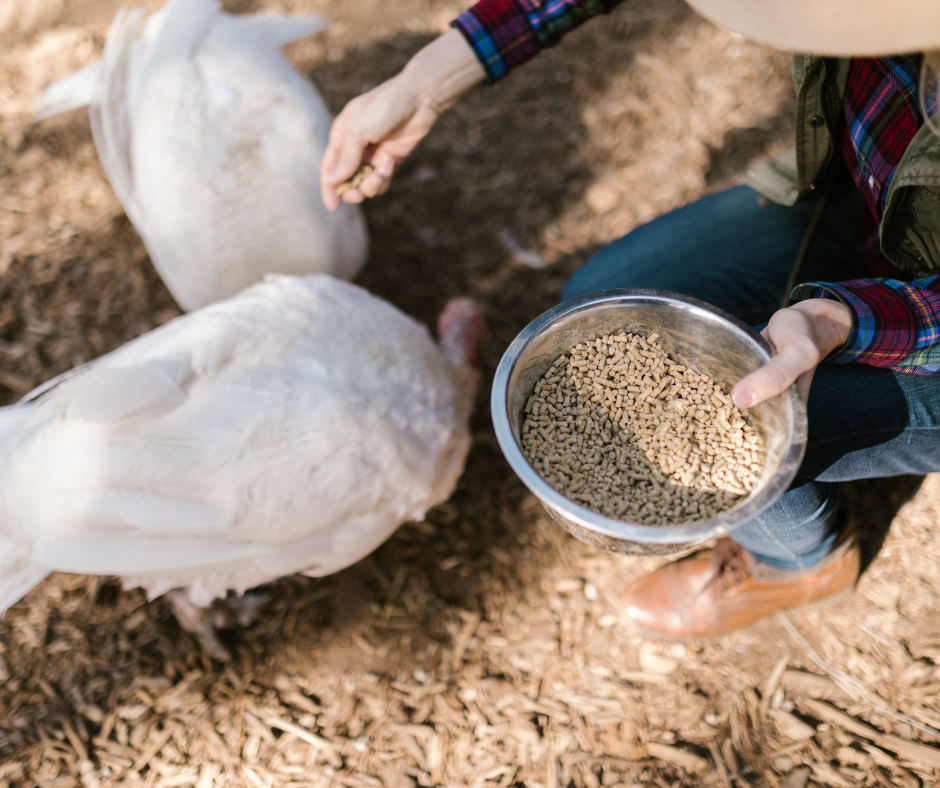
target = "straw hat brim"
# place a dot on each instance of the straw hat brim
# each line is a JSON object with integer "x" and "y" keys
{"x": 831, "y": 27}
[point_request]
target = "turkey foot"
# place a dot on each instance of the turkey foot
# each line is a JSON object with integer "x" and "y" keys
{"x": 205, "y": 622}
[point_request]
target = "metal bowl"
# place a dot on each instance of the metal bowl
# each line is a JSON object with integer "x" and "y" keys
{"x": 694, "y": 333}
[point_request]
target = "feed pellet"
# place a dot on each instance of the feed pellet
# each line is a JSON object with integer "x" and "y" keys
{"x": 354, "y": 180}
{"x": 623, "y": 429}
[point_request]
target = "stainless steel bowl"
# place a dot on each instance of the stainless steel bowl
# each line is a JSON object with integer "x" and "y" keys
{"x": 696, "y": 334}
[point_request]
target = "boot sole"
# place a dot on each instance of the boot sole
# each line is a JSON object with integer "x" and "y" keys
{"x": 832, "y": 599}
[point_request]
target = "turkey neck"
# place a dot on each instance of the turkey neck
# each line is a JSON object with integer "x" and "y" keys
{"x": 466, "y": 381}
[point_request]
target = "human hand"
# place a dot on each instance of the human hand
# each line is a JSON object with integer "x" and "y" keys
{"x": 384, "y": 125}
{"x": 801, "y": 335}
{"x": 380, "y": 128}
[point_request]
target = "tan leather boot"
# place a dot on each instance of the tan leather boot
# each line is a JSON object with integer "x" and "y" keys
{"x": 715, "y": 591}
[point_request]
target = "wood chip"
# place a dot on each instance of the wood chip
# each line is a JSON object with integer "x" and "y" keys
{"x": 915, "y": 752}
{"x": 792, "y": 726}
{"x": 319, "y": 743}
{"x": 684, "y": 759}
{"x": 719, "y": 762}
{"x": 449, "y": 656}
{"x": 797, "y": 778}
{"x": 799, "y": 682}
{"x": 773, "y": 681}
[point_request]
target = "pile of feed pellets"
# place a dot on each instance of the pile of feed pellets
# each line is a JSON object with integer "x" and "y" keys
{"x": 620, "y": 427}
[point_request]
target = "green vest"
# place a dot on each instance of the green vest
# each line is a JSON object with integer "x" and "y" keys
{"x": 910, "y": 227}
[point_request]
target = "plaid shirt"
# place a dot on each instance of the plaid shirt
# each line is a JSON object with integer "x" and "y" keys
{"x": 896, "y": 323}
{"x": 881, "y": 112}
{"x": 506, "y": 33}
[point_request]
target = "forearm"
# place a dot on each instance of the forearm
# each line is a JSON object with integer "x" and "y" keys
{"x": 378, "y": 129}
{"x": 443, "y": 71}
{"x": 895, "y": 324}
{"x": 506, "y": 33}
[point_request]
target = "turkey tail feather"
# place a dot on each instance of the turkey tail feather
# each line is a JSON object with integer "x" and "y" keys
{"x": 18, "y": 574}
{"x": 130, "y": 57}
{"x": 278, "y": 30}
{"x": 110, "y": 115}
{"x": 180, "y": 26}
{"x": 74, "y": 91}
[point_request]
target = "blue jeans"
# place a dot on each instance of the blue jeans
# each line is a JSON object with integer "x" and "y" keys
{"x": 733, "y": 251}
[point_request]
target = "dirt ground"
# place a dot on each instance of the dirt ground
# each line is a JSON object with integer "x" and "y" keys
{"x": 483, "y": 646}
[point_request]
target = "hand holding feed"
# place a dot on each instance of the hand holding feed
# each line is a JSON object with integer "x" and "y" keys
{"x": 384, "y": 125}
{"x": 802, "y": 335}
{"x": 379, "y": 128}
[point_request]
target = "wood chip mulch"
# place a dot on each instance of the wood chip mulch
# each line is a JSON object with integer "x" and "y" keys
{"x": 484, "y": 646}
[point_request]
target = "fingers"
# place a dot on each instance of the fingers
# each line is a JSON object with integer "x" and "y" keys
{"x": 803, "y": 335}
{"x": 385, "y": 164}
{"x": 369, "y": 180}
{"x": 345, "y": 156}
{"x": 372, "y": 186}
{"x": 350, "y": 156}
{"x": 341, "y": 159}
{"x": 378, "y": 181}
{"x": 380, "y": 128}
{"x": 777, "y": 375}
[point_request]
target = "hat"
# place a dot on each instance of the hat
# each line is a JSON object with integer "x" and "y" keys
{"x": 831, "y": 27}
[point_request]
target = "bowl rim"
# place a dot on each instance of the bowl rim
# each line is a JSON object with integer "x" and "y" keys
{"x": 608, "y": 527}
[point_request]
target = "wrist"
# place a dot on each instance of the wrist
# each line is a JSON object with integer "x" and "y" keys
{"x": 443, "y": 71}
{"x": 832, "y": 321}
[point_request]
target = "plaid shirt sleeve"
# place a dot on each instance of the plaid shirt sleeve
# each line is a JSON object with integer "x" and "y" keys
{"x": 895, "y": 324}
{"x": 506, "y": 33}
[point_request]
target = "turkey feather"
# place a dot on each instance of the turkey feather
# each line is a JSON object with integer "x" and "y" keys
{"x": 290, "y": 428}
{"x": 73, "y": 92}
{"x": 276, "y": 30}
{"x": 18, "y": 573}
{"x": 212, "y": 142}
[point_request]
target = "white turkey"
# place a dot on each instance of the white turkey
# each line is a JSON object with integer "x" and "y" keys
{"x": 291, "y": 428}
{"x": 212, "y": 142}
